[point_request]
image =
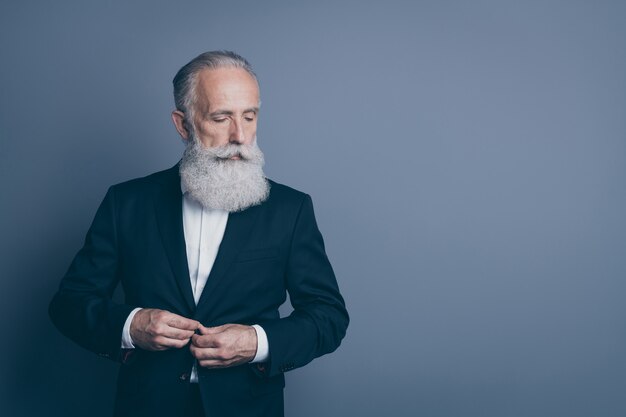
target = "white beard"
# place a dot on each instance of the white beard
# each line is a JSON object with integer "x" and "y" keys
{"x": 216, "y": 182}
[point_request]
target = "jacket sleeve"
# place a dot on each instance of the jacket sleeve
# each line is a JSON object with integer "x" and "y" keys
{"x": 82, "y": 308}
{"x": 319, "y": 320}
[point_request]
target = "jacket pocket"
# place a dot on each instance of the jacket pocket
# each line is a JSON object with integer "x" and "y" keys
{"x": 257, "y": 254}
{"x": 263, "y": 386}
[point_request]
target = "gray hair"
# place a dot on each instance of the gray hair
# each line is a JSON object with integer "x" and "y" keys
{"x": 186, "y": 77}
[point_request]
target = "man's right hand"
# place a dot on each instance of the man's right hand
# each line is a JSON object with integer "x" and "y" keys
{"x": 153, "y": 329}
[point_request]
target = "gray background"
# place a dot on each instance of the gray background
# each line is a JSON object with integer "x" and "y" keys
{"x": 467, "y": 163}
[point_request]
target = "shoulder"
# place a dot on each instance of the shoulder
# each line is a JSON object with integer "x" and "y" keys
{"x": 282, "y": 191}
{"x": 139, "y": 194}
{"x": 287, "y": 204}
{"x": 148, "y": 184}
{"x": 284, "y": 195}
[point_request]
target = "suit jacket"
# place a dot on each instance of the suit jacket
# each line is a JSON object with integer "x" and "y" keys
{"x": 268, "y": 250}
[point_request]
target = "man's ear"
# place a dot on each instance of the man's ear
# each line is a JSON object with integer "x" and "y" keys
{"x": 178, "y": 117}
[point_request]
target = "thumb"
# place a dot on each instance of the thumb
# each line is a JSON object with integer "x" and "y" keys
{"x": 211, "y": 330}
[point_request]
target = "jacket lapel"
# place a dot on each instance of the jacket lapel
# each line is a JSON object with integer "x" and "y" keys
{"x": 236, "y": 235}
{"x": 169, "y": 210}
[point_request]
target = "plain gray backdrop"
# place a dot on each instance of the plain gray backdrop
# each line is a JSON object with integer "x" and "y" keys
{"x": 467, "y": 163}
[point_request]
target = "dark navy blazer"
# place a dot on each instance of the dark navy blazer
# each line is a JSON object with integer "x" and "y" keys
{"x": 137, "y": 239}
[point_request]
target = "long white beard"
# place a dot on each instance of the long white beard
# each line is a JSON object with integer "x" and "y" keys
{"x": 217, "y": 182}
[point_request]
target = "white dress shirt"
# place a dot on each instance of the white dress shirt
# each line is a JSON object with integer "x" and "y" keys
{"x": 204, "y": 230}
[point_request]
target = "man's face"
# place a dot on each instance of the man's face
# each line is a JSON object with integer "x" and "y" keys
{"x": 226, "y": 108}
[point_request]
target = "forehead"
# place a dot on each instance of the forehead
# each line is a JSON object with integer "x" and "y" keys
{"x": 228, "y": 88}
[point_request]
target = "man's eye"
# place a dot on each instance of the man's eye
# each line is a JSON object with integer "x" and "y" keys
{"x": 219, "y": 120}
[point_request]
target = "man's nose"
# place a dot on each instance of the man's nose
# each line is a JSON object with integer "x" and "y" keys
{"x": 236, "y": 132}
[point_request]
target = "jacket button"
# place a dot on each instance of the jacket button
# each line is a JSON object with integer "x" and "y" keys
{"x": 184, "y": 376}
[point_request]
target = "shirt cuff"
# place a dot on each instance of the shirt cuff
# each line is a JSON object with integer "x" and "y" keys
{"x": 127, "y": 341}
{"x": 263, "y": 348}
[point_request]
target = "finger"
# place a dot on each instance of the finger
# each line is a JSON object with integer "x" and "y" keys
{"x": 213, "y": 330}
{"x": 208, "y": 330}
{"x": 174, "y": 333}
{"x": 167, "y": 343}
{"x": 214, "y": 364}
{"x": 208, "y": 354}
{"x": 200, "y": 330}
{"x": 182, "y": 323}
{"x": 204, "y": 341}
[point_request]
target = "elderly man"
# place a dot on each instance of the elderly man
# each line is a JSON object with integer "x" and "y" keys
{"x": 206, "y": 252}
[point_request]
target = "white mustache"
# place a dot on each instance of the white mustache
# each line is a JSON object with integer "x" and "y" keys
{"x": 225, "y": 152}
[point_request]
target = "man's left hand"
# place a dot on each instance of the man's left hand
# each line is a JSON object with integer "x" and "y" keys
{"x": 224, "y": 346}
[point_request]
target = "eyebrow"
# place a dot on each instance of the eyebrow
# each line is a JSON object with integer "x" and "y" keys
{"x": 230, "y": 113}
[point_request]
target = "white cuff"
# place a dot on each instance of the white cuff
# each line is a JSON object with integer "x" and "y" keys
{"x": 127, "y": 341}
{"x": 263, "y": 347}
